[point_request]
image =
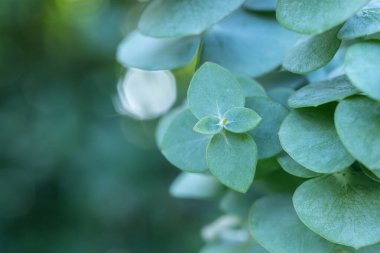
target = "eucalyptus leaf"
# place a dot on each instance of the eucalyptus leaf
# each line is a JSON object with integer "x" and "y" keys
{"x": 293, "y": 168}
{"x": 315, "y": 16}
{"x": 165, "y": 122}
{"x": 312, "y": 53}
{"x": 276, "y": 226}
{"x": 265, "y": 134}
{"x": 308, "y": 135}
{"x": 281, "y": 95}
{"x": 316, "y": 94}
{"x": 343, "y": 208}
{"x": 370, "y": 249}
{"x": 232, "y": 159}
{"x": 362, "y": 66}
{"x": 357, "y": 122}
{"x": 213, "y": 91}
{"x": 208, "y": 125}
{"x": 241, "y": 120}
{"x": 251, "y": 87}
{"x": 236, "y": 203}
{"x": 179, "y": 18}
{"x": 142, "y": 52}
{"x": 366, "y": 22}
{"x": 183, "y": 147}
{"x": 261, "y": 5}
{"x": 248, "y": 44}
{"x": 195, "y": 186}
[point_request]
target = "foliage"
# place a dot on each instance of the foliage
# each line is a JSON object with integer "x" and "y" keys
{"x": 257, "y": 129}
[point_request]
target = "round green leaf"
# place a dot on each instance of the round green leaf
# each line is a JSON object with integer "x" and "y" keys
{"x": 312, "y": 53}
{"x": 370, "y": 249}
{"x": 183, "y": 147}
{"x": 315, "y": 16}
{"x": 179, "y": 18}
{"x": 357, "y": 122}
{"x": 281, "y": 95}
{"x": 308, "y": 135}
{"x": 316, "y": 94}
{"x": 242, "y": 41}
{"x": 232, "y": 159}
{"x": 165, "y": 122}
{"x": 266, "y": 133}
{"x": 366, "y": 22}
{"x": 208, "y": 125}
{"x": 275, "y": 225}
{"x": 142, "y": 52}
{"x": 241, "y": 120}
{"x": 261, "y": 5}
{"x": 362, "y": 66}
{"x": 251, "y": 87}
{"x": 213, "y": 91}
{"x": 343, "y": 208}
{"x": 196, "y": 186}
{"x": 293, "y": 168}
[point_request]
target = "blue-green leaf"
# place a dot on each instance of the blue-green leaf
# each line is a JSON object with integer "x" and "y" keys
{"x": 316, "y": 94}
{"x": 261, "y": 5}
{"x": 213, "y": 91}
{"x": 308, "y": 135}
{"x": 275, "y": 225}
{"x": 362, "y": 66}
{"x": 179, "y": 18}
{"x": 251, "y": 87}
{"x": 208, "y": 125}
{"x": 232, "y": 159}
{"x": 240, "y": 120}
{"x": 312, "y": 53}
{"x": 343, "y": 208}
{"x": 294, "y": 168}
{"x": 266, "y": 133}
{"x": 182, "y": 146}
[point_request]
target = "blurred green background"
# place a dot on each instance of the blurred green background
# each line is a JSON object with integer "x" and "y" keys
{"x": 74, "y": 175}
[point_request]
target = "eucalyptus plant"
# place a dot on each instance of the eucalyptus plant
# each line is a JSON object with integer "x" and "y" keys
{"x": 281, "y": 119}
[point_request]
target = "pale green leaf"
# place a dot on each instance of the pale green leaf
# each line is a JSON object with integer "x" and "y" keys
{"x": 165, "y": 122}
{"x": 213, "y": 91}
{"x": 142, "y": 52}
{"x": 308, "y": 135}
{"x": 294, "y": 168}
{"x": 281, "y": 95}
{"x": 261, "y": 5}
{"x": 265, "y": 134}
{"x": 248, "y": 44}
{"x": 183, "y": 147}
{"x": 370, "y": 249}
{"x": 178, "y": 18}
{"x": 232, "y": 159}
{"x": 208, "y": 125}
{"x": 316, "y": 94}
{"x": 362, "y": 66}
{"x": 276, "y": 226}
{"x": 240, "y": 120}
{"x": 357, "y": 122}
{"x": 251, "y": 87}
{"x": 343, "y": 208}
{"x": 315, "y": 16}
{"x": 195, "y": 186}
{"x": 312, "y": 53}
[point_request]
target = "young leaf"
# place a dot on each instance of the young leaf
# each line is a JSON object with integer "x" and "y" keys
{"x": 322, "y": 92}
{"x": 179, "y": 18}
{"x": 293, "y": 168}
{"x": 265, "y": 134}
{"x": 240, "y": 120}
{"x": 261, "y": 5}
{"x": 366, "y": 22}
{"x": 208, "y": 125}
{"x": 276, "y": 226}
{"x": 232, "y": 159}
{"x": 312, "y": 53}
{"x": 343, "y": 208}
{"x": 357, "y": 122}
{"x": 195, "y": 186}
{"x": 362, "y": 66}
{"x": 213, "y": 91}
{"x": 183, "y": 147}
{"x": 142, "y": 52}
{"x": 305, "y": 16}
{"x": 242, "y": 41}
{"x": 251, "y": 87}
{"x": 308, "y": 135}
